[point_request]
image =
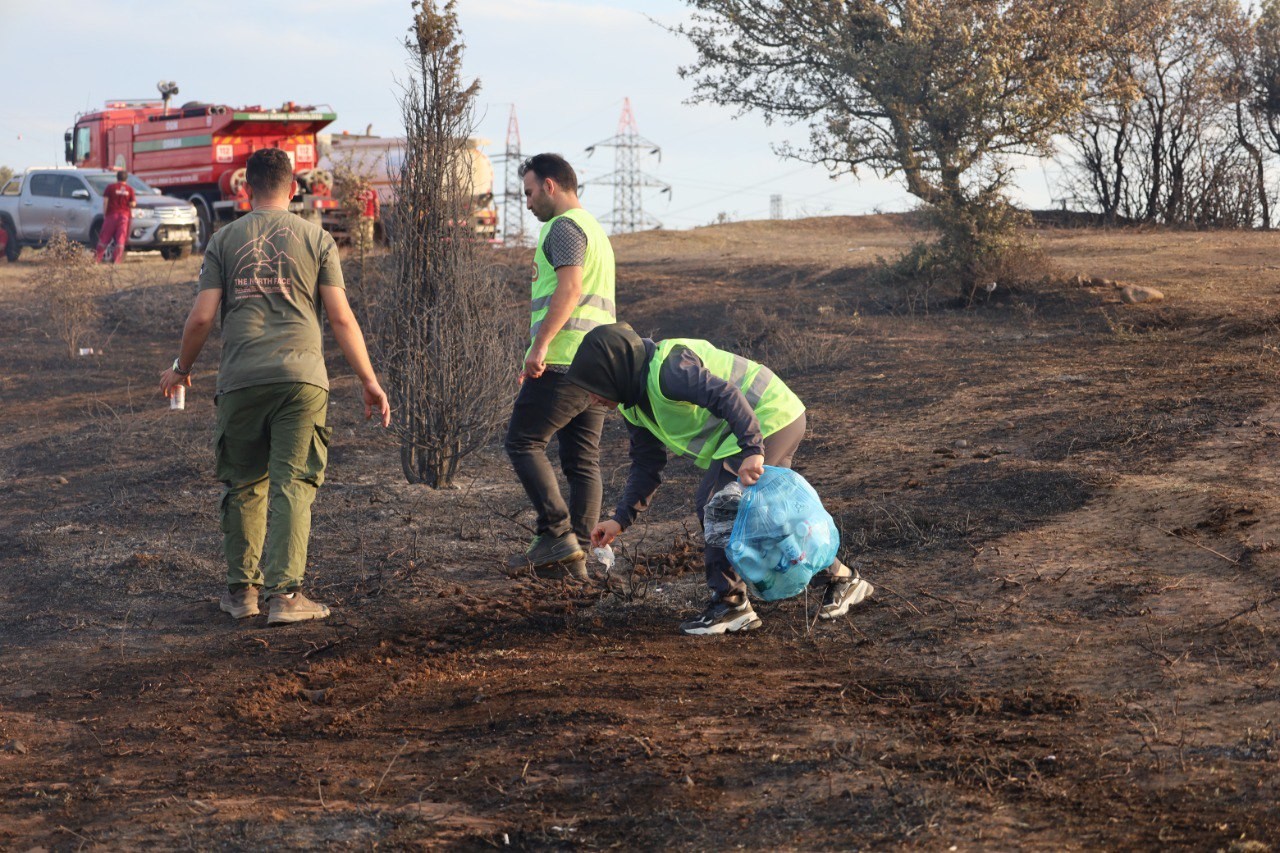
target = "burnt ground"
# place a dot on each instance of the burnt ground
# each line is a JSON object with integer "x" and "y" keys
{"x": 1068, "y": 506}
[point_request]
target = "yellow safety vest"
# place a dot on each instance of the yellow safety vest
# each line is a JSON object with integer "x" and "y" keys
{"x": 595, "y": 307}
{"x": 692, "y": 431}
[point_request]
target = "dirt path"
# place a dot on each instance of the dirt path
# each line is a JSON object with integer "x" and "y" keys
{"x": 1067, "y": 507}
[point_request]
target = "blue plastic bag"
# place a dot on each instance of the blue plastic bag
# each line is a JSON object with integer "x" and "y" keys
{"x": 782, "y": 536}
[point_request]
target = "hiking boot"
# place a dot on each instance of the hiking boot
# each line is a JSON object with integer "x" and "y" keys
{"x": 240, "y": 603}
{"x": 721, "y": 616}
{"x": 546, "y": 551}
{"x": 287, "y": 608}
{"x": 841, "y": 594}
{"x": 574, "y": 570}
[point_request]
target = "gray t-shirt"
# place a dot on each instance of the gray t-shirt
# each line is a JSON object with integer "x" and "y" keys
{"x": 270, "y": 266}
{"x": 566, "y": 244}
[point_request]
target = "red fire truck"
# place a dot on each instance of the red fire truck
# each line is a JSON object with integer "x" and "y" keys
{"x": 198, "y": 151}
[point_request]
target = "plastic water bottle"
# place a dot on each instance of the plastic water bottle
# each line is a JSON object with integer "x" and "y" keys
{"x": 178, "y": 397}
{"x": 604, "y": 556}
{"x": 792, "y": 552}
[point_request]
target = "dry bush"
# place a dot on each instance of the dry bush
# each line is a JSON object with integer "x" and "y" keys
{"x": 70, "y": 284}
{"x": 981, "y": 253}
{"x": 352, "y": 175}
{"x": 367, "y": 279}
{"x": 788, "y": 344}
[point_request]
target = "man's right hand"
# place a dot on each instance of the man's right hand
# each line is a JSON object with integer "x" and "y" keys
{"x": 375, "y": 399}
{"x": 170, "y": 380}
{"x": 604, "y": 533}
{"x": 535, "y": 363}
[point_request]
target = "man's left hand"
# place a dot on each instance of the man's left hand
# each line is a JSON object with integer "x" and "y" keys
{"x": 375, "y": 401}
{"x": 751, "y": 470}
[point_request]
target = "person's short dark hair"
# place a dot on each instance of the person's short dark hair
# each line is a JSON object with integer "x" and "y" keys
{"x": 551, "y": 166}
{"x": 121, "y": 175}
{"x": 268, "y": 171}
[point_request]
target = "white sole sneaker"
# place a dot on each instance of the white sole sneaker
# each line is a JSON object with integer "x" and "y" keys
{"x": 281, "y": 614}
{"x": 748, "y": 621}
{"x": 859, "y": 591}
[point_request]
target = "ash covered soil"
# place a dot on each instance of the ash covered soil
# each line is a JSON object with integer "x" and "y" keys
{"x": 1068, "y": 506}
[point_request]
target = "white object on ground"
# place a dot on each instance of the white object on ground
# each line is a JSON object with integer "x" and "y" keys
{"x": 604, "y": 556}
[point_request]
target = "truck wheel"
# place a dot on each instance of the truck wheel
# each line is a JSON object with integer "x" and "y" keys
{"x": 95, "y": 234}
{"x": 173, "y": 253}
{"x": 204, "y": 222}
{"x": 11, "y": 247}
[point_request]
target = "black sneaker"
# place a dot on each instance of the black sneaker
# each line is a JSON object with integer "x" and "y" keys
{"x": 843, "y": 593}
{"x": 723, "y": 616}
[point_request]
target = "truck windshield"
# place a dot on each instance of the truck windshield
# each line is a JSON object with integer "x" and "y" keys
{"x": 101, "y": 182}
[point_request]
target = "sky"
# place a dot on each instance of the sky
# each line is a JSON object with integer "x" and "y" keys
{"x": 565, "y": 65}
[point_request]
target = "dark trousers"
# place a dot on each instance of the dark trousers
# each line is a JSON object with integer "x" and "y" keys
{"x": 778, "y": 450}
{"x": 551, "y": 406}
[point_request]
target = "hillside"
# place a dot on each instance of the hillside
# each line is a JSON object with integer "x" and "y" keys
{"x": 1068, "y": 506}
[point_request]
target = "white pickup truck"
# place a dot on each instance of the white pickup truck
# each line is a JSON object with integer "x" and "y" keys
{"x": 40, "y": 202}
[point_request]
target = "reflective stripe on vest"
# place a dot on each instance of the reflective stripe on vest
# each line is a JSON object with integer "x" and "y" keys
{"x": 714, "y": 426}
{"x": 596, "y": 306}
{"x": 573, "y": 324}
{"x": 592, "y": 299}
{"x": 692, "y": 431}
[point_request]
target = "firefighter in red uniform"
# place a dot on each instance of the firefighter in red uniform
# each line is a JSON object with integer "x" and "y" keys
{"x": 118, "y": 203}
{"x": 368, "y": 199}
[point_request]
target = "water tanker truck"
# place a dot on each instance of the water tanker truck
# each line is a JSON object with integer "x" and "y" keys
{"x": 198, "y": 151}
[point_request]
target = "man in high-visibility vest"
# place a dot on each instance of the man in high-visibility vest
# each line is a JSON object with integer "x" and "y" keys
{"x": 572, "y": 293}
{"x": 728, "y": 414}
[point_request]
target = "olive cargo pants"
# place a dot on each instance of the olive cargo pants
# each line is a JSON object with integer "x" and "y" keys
{"x": 271, "y": 447}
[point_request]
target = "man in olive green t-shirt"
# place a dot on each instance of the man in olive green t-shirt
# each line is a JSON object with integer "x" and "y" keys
{"x": 271, "y": 273}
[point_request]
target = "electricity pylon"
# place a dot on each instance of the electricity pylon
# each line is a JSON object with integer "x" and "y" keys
{"x": 627, "y": 180}
{"x": 512, "y": 187}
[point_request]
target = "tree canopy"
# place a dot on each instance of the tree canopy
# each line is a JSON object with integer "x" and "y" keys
{"x": 937, "y": 91}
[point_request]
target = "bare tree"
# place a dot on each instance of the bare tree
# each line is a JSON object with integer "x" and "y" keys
{"x": 1264, "y": 75}
{"x": 445, "y": 323}
{"x": 1169, "y": 133}
{"x": 1244, "y": 100}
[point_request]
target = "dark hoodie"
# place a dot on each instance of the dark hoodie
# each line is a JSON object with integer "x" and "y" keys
{"x": 613, "y": 362}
